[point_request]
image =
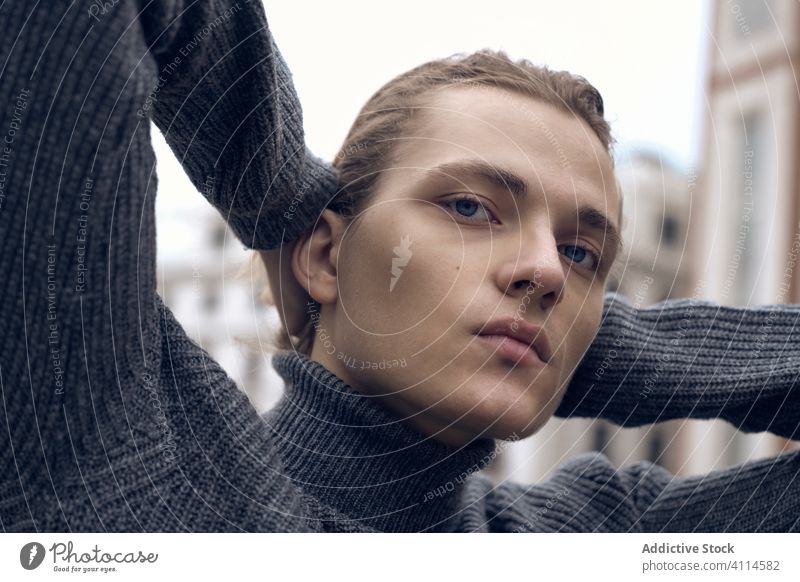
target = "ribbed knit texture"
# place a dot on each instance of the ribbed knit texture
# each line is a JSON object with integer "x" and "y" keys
{"x": 114, "y": 420}
{"x": 688, "y": 358}
{"x": 348, "y": 452}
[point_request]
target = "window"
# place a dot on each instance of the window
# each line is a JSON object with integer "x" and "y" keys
{"x": 210, "y": 299}
{"x": 218, "y": 236}
{"x": 748, "y": 17}
{"x": 670, "y": 230}
{"x": 655, "y": 445}
{"x": 600, "y": 437}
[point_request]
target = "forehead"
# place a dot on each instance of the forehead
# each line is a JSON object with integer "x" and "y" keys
{"x": 556, "y": 152}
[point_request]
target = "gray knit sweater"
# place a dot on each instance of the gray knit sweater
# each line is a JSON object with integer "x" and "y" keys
{"x": 114, "y": 420}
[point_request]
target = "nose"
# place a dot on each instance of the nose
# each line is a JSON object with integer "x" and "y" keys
{"x": 532, "y": 271}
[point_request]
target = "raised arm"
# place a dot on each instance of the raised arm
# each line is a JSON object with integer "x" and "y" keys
{"x": 757, "y": 496}
{"x": 587, "y": 493}
{"x": 229, "y": 111}
{"x": 78, "y": 175}
{"x": 113, "y": 418}
{"x": 692, "y": 359}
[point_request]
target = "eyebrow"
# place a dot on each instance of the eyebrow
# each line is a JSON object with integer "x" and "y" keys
{"x": 595, "y": 219}
{"x": 495, "y": 175}
{"x": 505, "y": 179}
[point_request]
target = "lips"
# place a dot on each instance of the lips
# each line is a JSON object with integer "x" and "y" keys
{"x": 531, "y": 336}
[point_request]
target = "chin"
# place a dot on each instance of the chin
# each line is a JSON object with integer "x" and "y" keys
{"x": 514, "y": 418}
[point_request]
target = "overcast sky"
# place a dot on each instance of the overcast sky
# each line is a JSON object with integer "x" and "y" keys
{"x": 644, "y": 57}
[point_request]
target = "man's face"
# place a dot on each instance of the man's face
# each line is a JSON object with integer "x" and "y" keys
{"x": 444, "y": 249}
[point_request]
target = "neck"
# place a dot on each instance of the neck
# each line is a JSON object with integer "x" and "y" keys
{"x": 350, "y": 452}
{"x": 419, "y": 420}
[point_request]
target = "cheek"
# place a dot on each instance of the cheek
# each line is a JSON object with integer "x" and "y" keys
{"x": 395, "y": 276}
{"x": 581, "y": 333}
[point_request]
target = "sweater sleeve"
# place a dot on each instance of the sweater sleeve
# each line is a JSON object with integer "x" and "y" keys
{"x": 227, "y": 106}
{"x": 587, "y": 493}
{"x": 757, "y": 496}
{"x": 114, "y": 419}
{"x": 692, "y": 359}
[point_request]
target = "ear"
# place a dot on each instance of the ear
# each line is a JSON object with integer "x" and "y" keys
{"x": 289, "y": 297}
{"x": 315, "y": 257}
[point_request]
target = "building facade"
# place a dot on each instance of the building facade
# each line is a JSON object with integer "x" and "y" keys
{"x": 744, "y": 235}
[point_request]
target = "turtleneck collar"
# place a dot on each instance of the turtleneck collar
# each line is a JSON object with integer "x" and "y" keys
{"x": 351, "y": 453}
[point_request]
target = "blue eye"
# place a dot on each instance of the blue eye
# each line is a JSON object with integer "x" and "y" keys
{"x": 579, "y": 255}
{"x": 468, "y": 207}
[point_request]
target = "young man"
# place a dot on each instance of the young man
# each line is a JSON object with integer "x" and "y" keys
{"x": 498, "y": 177}
{"x": 115, "y": 421}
